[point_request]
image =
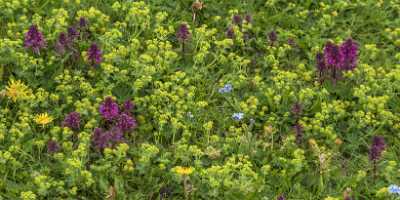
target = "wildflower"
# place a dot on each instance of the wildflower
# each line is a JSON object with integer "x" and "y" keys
{"x": 52, "y": 146}
{"x": 184, "y": 170}
{"x": 281, "y": 197}
{"x": 62, "y": 43}
{"x": 34, "y": 39}
{"x": 197, "y": 5}
{"x": 125, "y": 122}
{"x": 236, "y": 19}
{"x": 128, "y": 106}
{"x": 348, "y": 52}
{"x": 103, "y": 139}
{"x": 183, "y": 33}
{"x": 43, "y": 119}
{"x": 297, "y": 109}
{"x": 73, "y": 33}
{"x": 338, "y": 141}
{"x": 298, "y": 129}
{"x": 226, "y": 89}
{"x": 100, "y": 138}
{"x": 273, "y": 37}
{"x": 320, "y": 62}
{"x": 237, "y": 116}
{"x": 291, "y": 42}
{"x": 347, "y": 194}
{"x": 230, "y": 33}
{"x": 116, "y": 135}
{"x": 94, "y": 54}
{"x": 16, "y": 90}
{"x": 165, "y": 192}
{"x": 82, "y": 22}
{"x": 394, "y": 189}
{"x": 332, "y": 55}
{"x": 72, "y": 121}
{"x": 248, "y": 18}
{"x": 190, "y": 115}
{"x": 109, "y": 109}
{"x": 377, "y": 147}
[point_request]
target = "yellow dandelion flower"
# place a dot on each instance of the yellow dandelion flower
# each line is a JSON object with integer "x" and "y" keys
{"x": 16, "y": 90}
{"x": 43, "y": 119}
{"x": 183, "y": 170}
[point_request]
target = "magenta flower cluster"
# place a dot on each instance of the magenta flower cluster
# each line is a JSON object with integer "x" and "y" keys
{"x": 103, "y": 139}
{"x": 336, "y": 58}
{"x": 53, "y": 146}
{"x": 109, "y": 109}
{"x": 65, "y": 42}
{"x": 34, "y": 39}
{"x": 183, "y": 33}
{"x": 94, "y": 54}
{"x": 238, "y": 20}
{"x": 72, "y": 121}
{"x": 117, "y": 120}
{"x": 377, "y": 147}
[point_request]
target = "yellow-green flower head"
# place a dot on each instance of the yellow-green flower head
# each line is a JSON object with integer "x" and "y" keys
{"x": 43, "y": 119}
{"x": 17, "y": 90}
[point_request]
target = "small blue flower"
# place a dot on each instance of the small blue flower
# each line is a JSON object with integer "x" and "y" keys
{"x": 226, "y": 89}
{"x": 237, "y": 116}
{"x": 394, "y": 189}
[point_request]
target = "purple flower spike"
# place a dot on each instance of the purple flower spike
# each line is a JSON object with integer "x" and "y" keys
{"x": 332, "y": 55}
{"x": 72, "y": 121}
{"x": 236, "y": 19}
{"x": 83, "y": 22}
{"x": 230, "y": 33}
{"x": 62, "y": 43}
{"x": 281, "y": 197}
{"x": 100, "y": 138}
{"x": 52, "y": 146}
{"x": 248, "y": 18}
{"x": 94, "y": 54}
{"x": 109, "y": 109}
{"x": 298, "y": 129}
{"x": 291, "y": 42}
{"x": 320, "y": 62}
{"x": 73, "y": 33}
{"x": 126, "y": 122}
{"x": 273, "y": 37}
{"x": 377, "y": 147}
{"x": 34, "y": 39}
{"x": 183, "y": 33}
{"x": 297, "y": 109}
{"x": 128, "y": 106}
{"x": 116, "y": 135}
{"x": 349, "y": 51}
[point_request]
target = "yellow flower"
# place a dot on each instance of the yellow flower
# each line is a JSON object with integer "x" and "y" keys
{"x": 16, "y": 90}
{"x": 184, "y": 170}
{"x": 43, "y": 119}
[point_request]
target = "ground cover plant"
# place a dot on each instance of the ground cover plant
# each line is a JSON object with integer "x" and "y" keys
{"x": 190, "y": 99}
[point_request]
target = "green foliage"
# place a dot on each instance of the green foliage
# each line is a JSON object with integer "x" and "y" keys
{"x": 187, "y": 144}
